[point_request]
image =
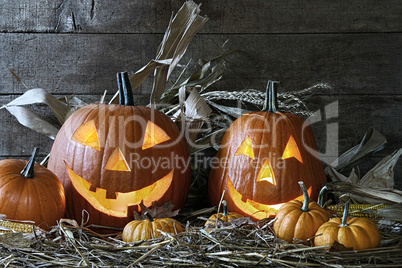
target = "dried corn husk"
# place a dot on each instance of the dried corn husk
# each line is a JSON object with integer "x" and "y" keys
{"x": 382, "y": 174}
{"x": 15, "y": 227}
{"x": 181, "y": 30}
{"x": 208, "y": 74}
{"x": 29, "y": 119}
{"x": 195, "y": 111}
{"x": 365, "y": 195}
{"x": 393, "y": 212}
{"x": 376, "y": 186}
{"x": 39, "y": 95}
{"x": 373, "y": 141}
{"x": 359, "y": 210}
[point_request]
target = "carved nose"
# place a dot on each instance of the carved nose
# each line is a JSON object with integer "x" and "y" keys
{"x": 117, "y": 161}
{"x": 266, "y": 173}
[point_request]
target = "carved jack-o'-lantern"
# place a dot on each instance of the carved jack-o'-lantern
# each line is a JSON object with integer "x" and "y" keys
{"x": 262, "y": 157}
{"x": 111, "y": 158}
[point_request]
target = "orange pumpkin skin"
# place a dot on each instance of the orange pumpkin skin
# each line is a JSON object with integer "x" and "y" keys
{"x": 222, "y": 216}
{"x": 40, "y": 199}
{"x": 138, "y": 230}
{"x": 292, "y": 222}
{"x": 122, "y": 127}
{"x": 270, "y": 134}
{"x": 359, "y": 233}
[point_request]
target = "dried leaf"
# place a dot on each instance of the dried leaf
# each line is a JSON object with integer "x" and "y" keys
{"x": 238, "y": 222}
{"x": 365, "y": 195}
{"x": 232, "y": 111}
{"x": 17, "y": 77}
{"x": 73, "y": 102}
{"x": 195, "y": 110}
{"x": 353, "y": 177}
{"x": 393, "y": 212}
{"x": 156, "y": 211}
{"x": 336, "y": 246}
{"x": 203, "y": 78}
{"x": 15, "y": 241}
{"x": 372, "y": 141}
{"x": 39, "y": 95}
{"x": 212, "y": 139}
{"x": 382, "y": 174}
{"x": 378, "y": 182}
{"x": 27, "y": 118}
{"x": 336, "y": 176}
{"x": 138, "y": 77}
{"x": 182, "y": 28}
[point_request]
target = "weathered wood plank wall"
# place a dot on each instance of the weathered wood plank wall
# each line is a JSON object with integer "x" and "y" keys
{"x": 76, "y": 47}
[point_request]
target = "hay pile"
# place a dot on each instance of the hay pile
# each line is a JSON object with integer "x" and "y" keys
{"x": 241, "y": 243}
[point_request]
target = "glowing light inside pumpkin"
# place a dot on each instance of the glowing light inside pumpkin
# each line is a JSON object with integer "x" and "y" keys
{"x": 118, "y": 207}
{"x": 291, "y": 150}
{"x": 153, "y": 135}
{"x": 266, "y": 173}
{"x": 117, "y": 161}
{"x": 246, "y": 148}
{"x": 255, "y": 209}
{"x": 86, "y": 135}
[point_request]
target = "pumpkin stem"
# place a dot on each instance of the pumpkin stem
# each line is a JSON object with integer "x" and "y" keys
{"x": 306, "y": 201}
{"x": 321, "y": 196}
{"x": 345, "y": 215}
{"x": 271, "y": 101}
{"x": 225, "y": 208}
{"x": 125, "y": 91}
{"x": 149, "y": 216}
{"x": 28, "y": 170}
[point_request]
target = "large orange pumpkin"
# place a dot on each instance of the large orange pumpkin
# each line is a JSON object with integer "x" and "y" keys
{"x": 29, "y": 191}
{"x": 261, "y": 158}
{"x": 111, "y": 158}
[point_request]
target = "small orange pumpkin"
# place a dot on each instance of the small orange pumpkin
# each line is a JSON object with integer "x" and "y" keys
{"x": 357, "y": 233}
{"x": 138, "y": 230}
{"x": 299, "y": 220}
{"x": 29, "y": 191}
{"x": 222, "y": 216}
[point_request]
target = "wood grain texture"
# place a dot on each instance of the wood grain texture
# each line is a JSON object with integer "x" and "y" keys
{"x": 226, "y": 16}
{"x": 87, "y": 63}
{"x": 77, "y": 47}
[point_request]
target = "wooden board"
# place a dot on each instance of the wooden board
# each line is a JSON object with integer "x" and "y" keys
{"x": 226, "y": 16}
{"x": 87, "y": 63}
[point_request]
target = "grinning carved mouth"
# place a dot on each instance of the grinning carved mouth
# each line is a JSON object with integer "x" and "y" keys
{"x": 257, "y": 210}
{"x": 118, "y": 207}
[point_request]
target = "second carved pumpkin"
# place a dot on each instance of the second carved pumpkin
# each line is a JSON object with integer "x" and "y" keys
{"x": 261, "y": 158}
{"x": 111, "y": 158}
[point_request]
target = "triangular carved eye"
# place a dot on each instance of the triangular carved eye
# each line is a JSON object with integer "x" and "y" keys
{"x": 246, "y": 148}
{"x": 117, "y": 162}
{"x": 153, "y": 135}
{"x": 291, "y": 150}
{"x": 86, "y": 135}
